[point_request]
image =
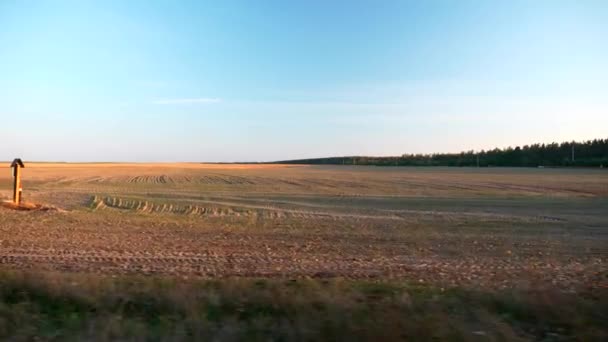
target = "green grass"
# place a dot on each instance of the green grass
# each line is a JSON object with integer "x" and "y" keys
{"x": 58, "y": 306}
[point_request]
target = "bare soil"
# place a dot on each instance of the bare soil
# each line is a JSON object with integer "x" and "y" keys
{"x": 492, "y": 228}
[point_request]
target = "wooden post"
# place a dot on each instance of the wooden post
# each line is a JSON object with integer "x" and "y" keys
{"x": 16, "y": 166}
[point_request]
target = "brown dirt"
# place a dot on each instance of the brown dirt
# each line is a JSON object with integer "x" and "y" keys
{"x": 482, "y": 227}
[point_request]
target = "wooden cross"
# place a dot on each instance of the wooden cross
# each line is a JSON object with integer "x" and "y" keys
{"x": 17, "y": 165}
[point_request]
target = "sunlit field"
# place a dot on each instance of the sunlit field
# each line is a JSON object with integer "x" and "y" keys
{"x": 292, "y": 244}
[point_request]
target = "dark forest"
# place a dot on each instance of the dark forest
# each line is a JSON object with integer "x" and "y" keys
{"x": 591, "y": 153}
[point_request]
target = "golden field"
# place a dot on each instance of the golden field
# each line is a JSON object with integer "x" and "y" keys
{"x": 448, "y": 226}
{"x": 279, "y": 252}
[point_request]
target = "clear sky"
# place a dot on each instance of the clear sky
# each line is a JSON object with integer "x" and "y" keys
{"x": 270, "y": 80}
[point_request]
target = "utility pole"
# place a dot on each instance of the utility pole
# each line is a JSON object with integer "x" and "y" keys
{"x": 573, "y": 152}
{"x": 17, "y": 165}
{"x": 477, "y": 159}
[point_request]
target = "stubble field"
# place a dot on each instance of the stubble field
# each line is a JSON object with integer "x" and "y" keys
{"x": 182, "y": 252}
{"x": 490, "y": 228}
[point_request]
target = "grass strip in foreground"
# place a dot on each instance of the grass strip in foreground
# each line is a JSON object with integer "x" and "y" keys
{"x": 58, "y": 306}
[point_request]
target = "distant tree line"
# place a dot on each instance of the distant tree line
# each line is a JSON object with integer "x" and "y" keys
{"x": 592, "y": 153}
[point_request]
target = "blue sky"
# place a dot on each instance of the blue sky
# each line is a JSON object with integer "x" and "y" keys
{"x": 271, "y": 80}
